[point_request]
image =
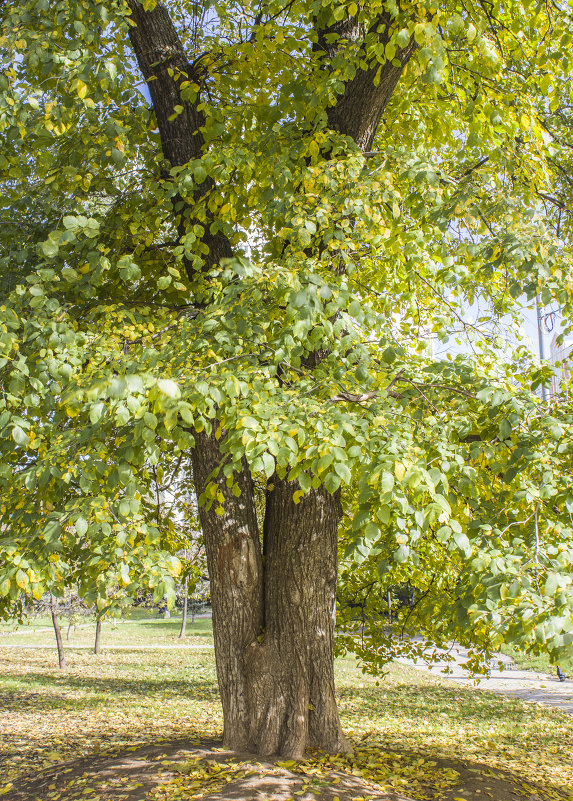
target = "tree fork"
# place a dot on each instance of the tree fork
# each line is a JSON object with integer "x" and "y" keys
{"x": 255, "y": 700}
{"x": 273, "y": 621}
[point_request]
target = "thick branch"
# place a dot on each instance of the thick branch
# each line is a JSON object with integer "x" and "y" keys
{"x": 358, "y": 110}
{"x": 165, "y": 66}
{"x": 158, "y": 49}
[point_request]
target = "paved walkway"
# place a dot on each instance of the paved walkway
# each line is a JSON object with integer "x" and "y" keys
{"x": 513, "y": 681}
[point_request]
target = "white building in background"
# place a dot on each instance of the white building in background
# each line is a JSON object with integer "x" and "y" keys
{"x": 561, "y": 354}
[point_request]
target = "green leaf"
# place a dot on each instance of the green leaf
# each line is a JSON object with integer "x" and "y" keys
{"x": 96, "y": 412}
{"x": 462, "y": 541}
{"x": 81, "y": 526}
{"x": 386, "y": 482}
{"x": 50, "y": 249}
{"x": 20, "y": 437}
{"x": 402, "y": 38}
{"x": 401, "y": 554}
{"x": 168, "y": 387}
{"x": 125, "y": 473}
{"x": 551, "y": 584}
{"x": 332, "y": 482}
{"x": 505, "y": 429}
{"x": 200, "y": 174}
{"x": 371, "y": 532}
{"x": 269, "y": 464}
{"x": 124, "y": 508}
{"x": 343, "y": 472}
{"x": 186, "y": 413}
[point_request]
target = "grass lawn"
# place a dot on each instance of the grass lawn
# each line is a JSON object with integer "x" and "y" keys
{"x": 539, "y": 662}
{"x": 403, "y": 728}
{"x": 141, "y": 627}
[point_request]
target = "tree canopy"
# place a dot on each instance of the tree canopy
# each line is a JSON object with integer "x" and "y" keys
{"x": 356, "y": 178}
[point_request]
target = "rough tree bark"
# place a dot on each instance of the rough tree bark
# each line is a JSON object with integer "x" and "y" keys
{"x": 234, "y": 561}
{"x": 273, "y": 617}
{"x": 359, "y": 108}
{"x": 295, "y": 695}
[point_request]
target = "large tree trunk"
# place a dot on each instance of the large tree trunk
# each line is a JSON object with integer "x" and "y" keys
{"x": 294, "y": 693}
{"x": 273, "y": 618}
{"x": 234, "y": 561}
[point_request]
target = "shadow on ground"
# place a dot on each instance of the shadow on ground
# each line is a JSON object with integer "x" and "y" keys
{"x": 38, "y": 699}
{"x": 179, "y": 769}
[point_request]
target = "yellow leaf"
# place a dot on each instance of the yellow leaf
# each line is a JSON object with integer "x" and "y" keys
{"x": 399, "y": 470}
{"x": 22, "y": 579}
{"x": 390, "y": 51}
{"x": 81, "y": 89}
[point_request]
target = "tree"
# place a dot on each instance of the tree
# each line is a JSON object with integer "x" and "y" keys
{"x": 251, "y": 273}
{"x": 97, "y": 641}
{"x": 57, "y": 632}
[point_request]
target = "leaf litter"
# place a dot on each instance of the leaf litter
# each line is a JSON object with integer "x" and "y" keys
{"x": 129, "y": 727}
